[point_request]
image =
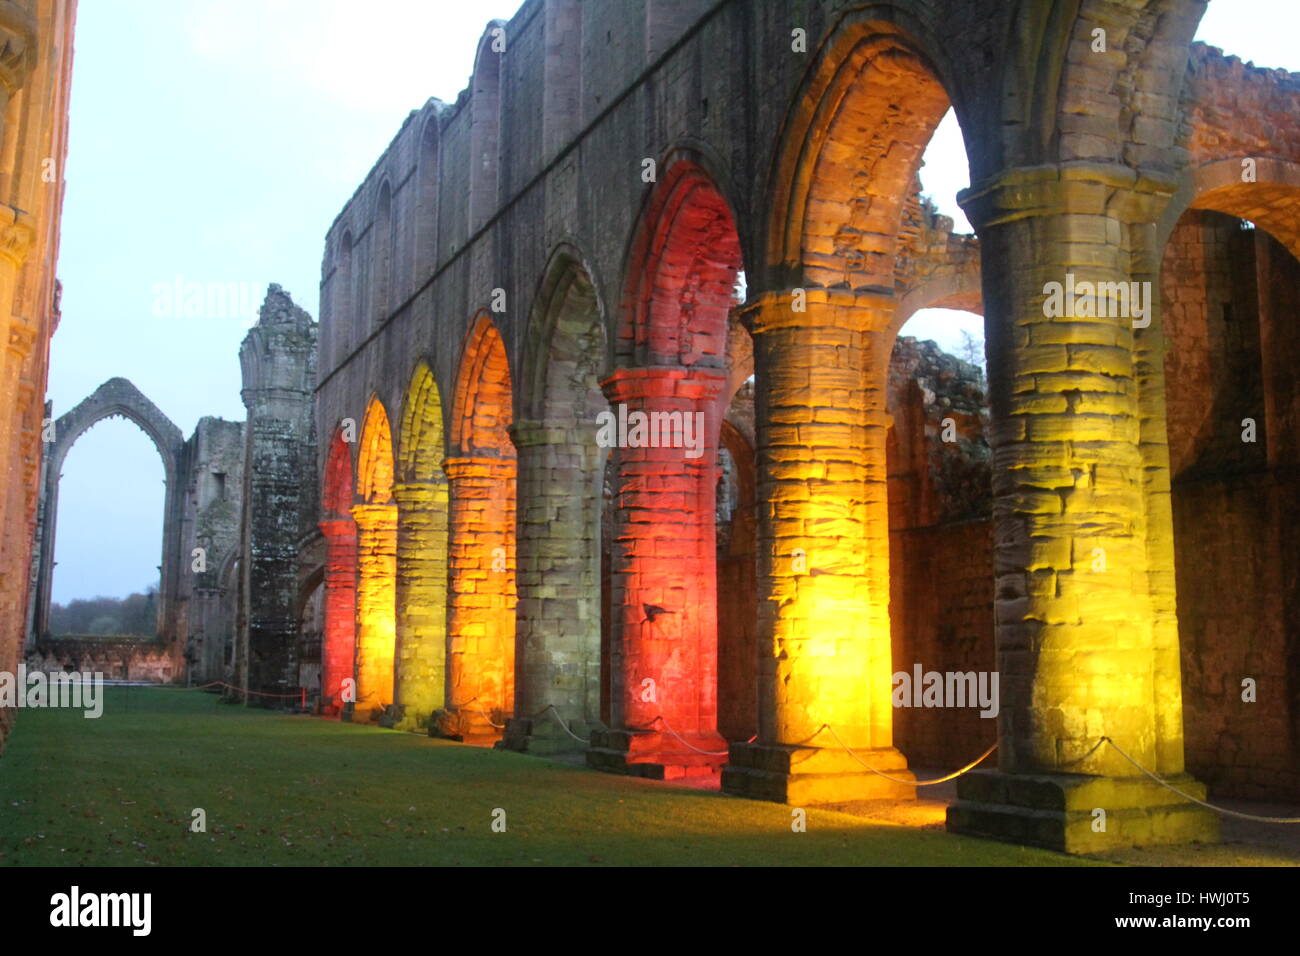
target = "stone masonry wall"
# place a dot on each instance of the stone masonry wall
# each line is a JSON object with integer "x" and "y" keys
{"x": 278, "y": 359}
{"x": 1229, "y": 295}
{"x": 213, "y": 506}
{"x": 941, "y": 547}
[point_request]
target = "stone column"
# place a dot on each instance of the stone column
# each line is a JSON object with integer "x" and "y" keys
{"x": 557, "y": 650}
{"x": 1083, "y": 590}
{"x": 665, "y": 643}
{"x": 16, "y": 239}
{"x": 481, "y": 615}
{"x": 339, "y": 642}
{"x": 376, "y": 604}
{"x": 421, "y": 600}
{"x": 825, "y": 670}
{"x": 18, "y": 345}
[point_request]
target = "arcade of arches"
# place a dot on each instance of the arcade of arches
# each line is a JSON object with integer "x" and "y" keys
{"x": 583, "y": 488}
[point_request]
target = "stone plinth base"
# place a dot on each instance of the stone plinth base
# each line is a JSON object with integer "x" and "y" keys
{"x": 803, "y": 776}
{"x": 542, "y": 736}
{"x": 660, "y": 756}
{"x": 1056, "y": 811}
{"x": 465, "y": 726}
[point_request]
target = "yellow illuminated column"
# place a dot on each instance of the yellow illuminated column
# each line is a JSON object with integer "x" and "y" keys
{"x": 481, "y": 613}
{"x": 1083, "y": 589}
{"x": 15, "y": 241}
{"x": 825, "y": 669}
{"x": 376, "y": 596}
{"x": 421, "y": 600}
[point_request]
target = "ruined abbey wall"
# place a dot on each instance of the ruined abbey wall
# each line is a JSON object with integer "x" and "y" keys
{"x": 240, "y": 552}
{"x": 213, "y": 506}
{"x": 564, "y": 240}
{"x": 1231, "y": 292}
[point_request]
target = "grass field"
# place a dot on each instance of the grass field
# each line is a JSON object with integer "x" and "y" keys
{"x": 285, "y": 790}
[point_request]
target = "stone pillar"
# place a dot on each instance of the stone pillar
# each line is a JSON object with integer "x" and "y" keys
{"x": 376, "y": 604}
{"x": 481, "y": 614}
{"x": 825, "y": 668}
{"x": 339, "y": 643}
{"x": 19, "y": 343}
{"x": 557, "y": 650}
{"x": 665, "y": 645}
{"x": 1083, "y": 553}
{"x": 16, "y": 237}
{"x": 421, "y": 600}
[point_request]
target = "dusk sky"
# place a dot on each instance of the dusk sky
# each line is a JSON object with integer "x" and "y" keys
{"x": 214, "y": 141}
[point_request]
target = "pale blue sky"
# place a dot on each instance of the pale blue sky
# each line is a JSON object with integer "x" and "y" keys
{"x": 215, "y": 141}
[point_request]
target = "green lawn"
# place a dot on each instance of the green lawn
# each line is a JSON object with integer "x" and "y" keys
{"x": 302, "y": 791}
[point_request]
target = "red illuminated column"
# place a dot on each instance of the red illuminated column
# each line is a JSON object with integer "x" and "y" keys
{"x": 664, "y": 573}
{"x": 481, "y": 605}
{"x": 340, "y": 641}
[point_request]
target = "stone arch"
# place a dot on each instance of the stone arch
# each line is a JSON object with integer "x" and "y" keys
{"x": 960, "y": 291}
{"x": 376, "y": 518}
{"x": 422, "y": 509}
{"x": 485, "y": 124}
{"x": 308, "y": 615}
{"x": 483, "y": 411}
{"x": 229, "y": 586}
{"x": 824, "y": 313}
{"x": 558, "y": 637}
{"x": 1271, "y": 201}
{"x": 425, "y": 247}
{"x": 336, "y": 488}
{"x": 850, "y": 152}
{"x": 481, "y": 616}
{"x": 338, "y": 651}
{"x": 116, "y": 397}
{"x": 382, "y": 243}
{"x": 681, "y": 274}
{"x": 563, "y": 348}
{"x": 342, "y": 302}
{"x": 375, "y": 457}
{"x": 422, "y": 438}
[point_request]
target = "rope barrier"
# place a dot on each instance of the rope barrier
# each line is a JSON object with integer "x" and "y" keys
{"x": 256, "y": 693}
{"x": 1188, "y": 796}
{"x": 485, "y": 716}
{"x": 1103, "y": 740}
{"x": 555, "y": 715}
{"x": 911, "y": 783}
{"x": 707, "y": 753}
